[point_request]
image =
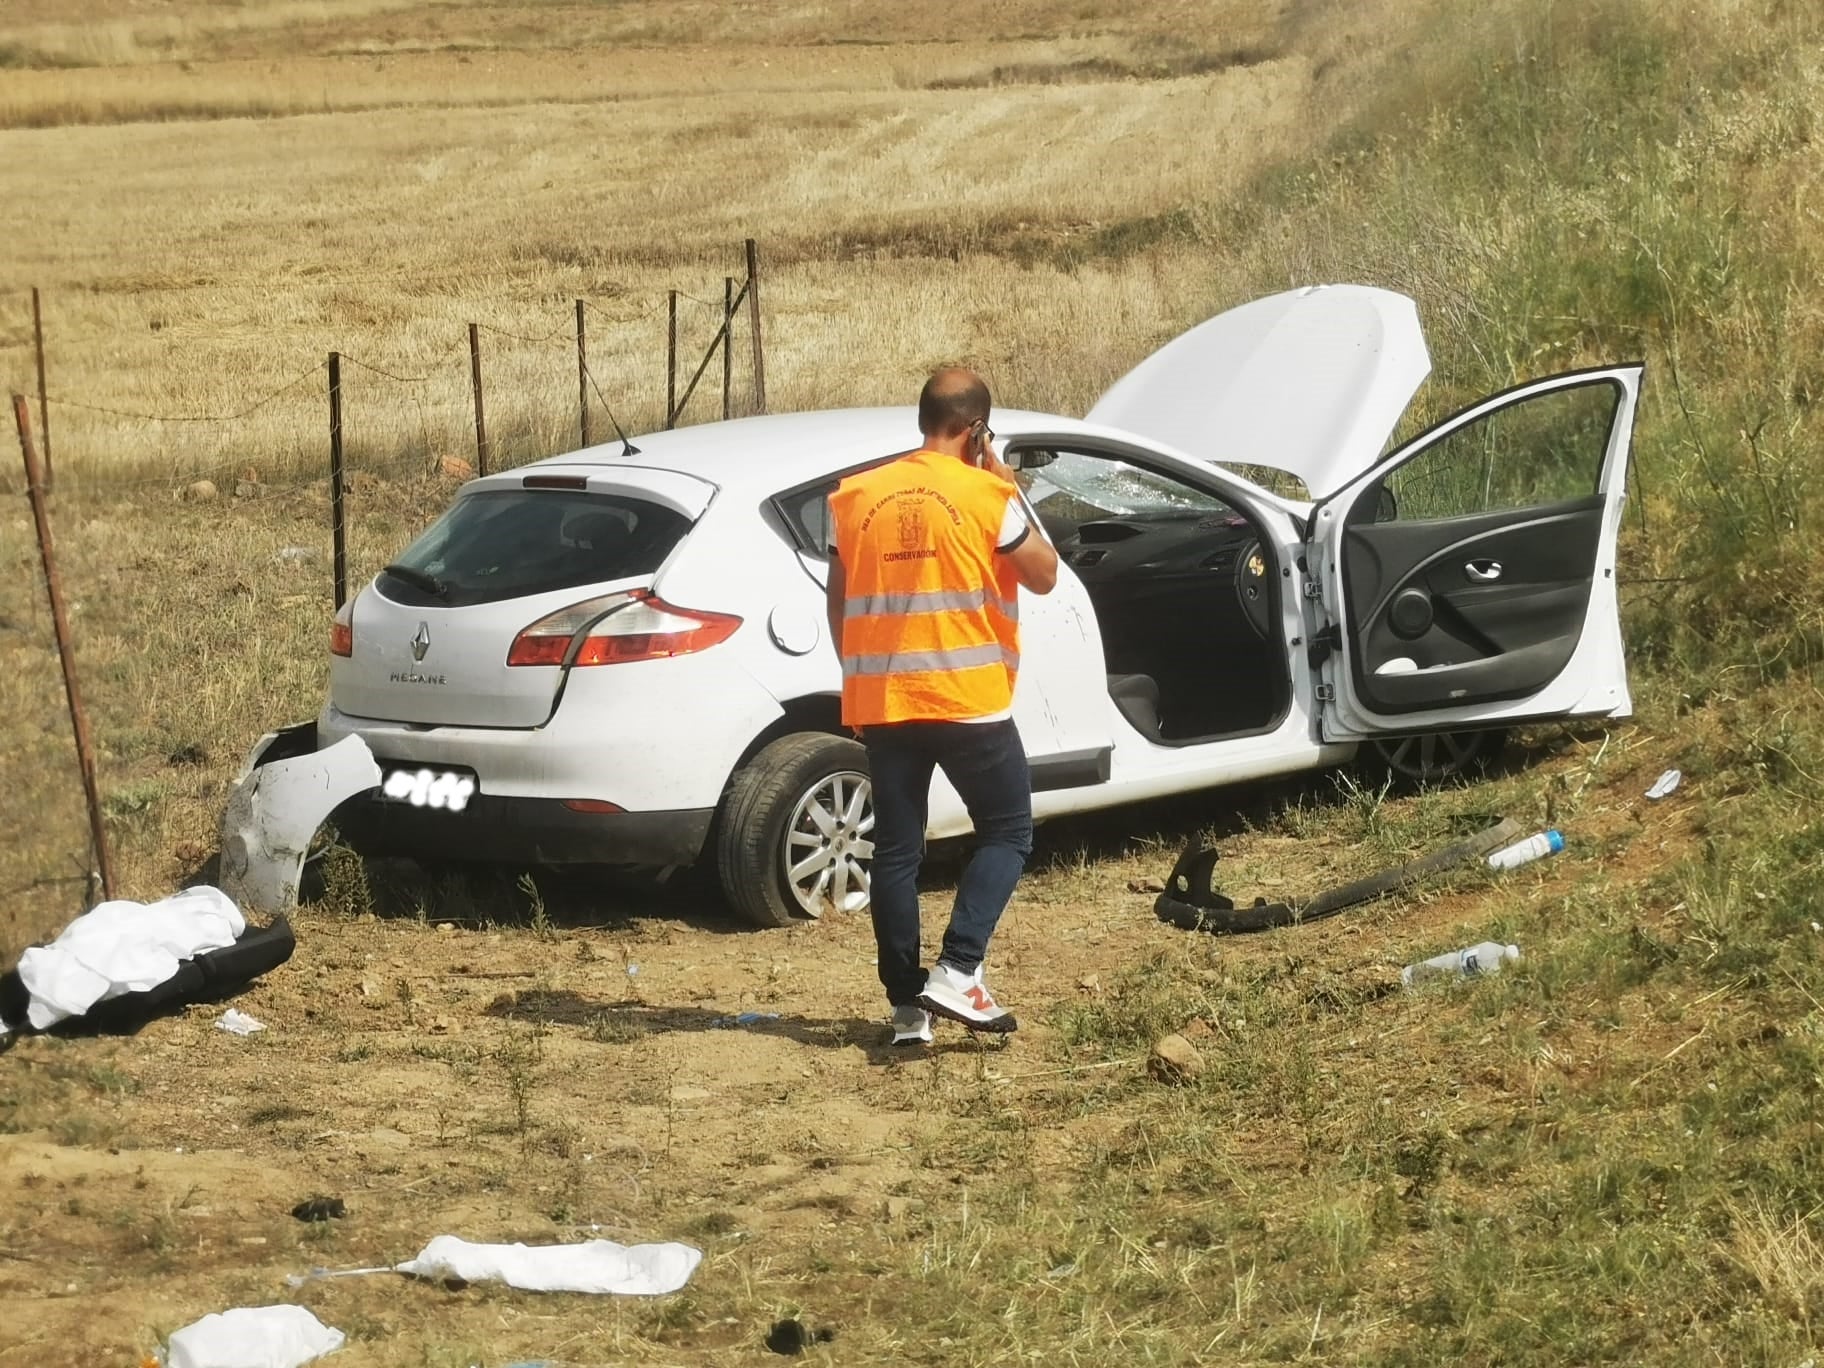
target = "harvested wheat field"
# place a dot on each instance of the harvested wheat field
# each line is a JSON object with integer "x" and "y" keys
{"x": 1608, "y": 1154}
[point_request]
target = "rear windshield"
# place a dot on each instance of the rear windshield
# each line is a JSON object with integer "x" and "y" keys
{"x": 509, "y": 543}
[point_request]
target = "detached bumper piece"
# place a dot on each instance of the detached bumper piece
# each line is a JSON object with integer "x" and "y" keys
{"x": 209, "y": 977}
{"x": 1192, "y": 902}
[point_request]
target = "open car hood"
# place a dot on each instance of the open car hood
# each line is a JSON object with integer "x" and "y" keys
{"x": 1310, "y": 382}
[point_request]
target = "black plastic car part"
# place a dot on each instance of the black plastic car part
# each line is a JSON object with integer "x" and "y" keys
{"x": 1191, "y": 900}
{"x": 211, "y": 976}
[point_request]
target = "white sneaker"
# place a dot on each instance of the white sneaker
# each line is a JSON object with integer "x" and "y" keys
{"x": 949, "y": 992}
{"x": 911, "y": 1026}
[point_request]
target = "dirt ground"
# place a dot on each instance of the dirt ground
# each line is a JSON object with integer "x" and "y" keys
{"x": 580, "y": 1071}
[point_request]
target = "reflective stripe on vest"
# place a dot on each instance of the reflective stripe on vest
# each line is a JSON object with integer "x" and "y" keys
{"x": 930, "y": 601}
{"x": 930, "y": 615}
{"x": 922, "y": 662}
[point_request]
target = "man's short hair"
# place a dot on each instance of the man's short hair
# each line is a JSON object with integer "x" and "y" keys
{"x": 953, "y": 400}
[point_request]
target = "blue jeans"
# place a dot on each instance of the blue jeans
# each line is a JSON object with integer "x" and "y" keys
{"x": 986, "y": 764}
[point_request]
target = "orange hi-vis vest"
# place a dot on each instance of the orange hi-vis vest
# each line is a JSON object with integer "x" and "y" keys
{"x": 930, "y": 623}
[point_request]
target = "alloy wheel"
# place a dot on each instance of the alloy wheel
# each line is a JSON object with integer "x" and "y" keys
{"x": 828, "y": 844}
{"x": 1435, "y": 757}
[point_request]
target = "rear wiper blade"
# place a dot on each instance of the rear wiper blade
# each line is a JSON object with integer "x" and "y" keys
{"x": 418, "y": 579}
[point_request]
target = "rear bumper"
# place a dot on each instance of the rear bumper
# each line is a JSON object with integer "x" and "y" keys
{"x": 523, "y": 830}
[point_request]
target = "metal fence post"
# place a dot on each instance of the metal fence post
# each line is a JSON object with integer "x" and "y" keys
{"x": 728, "y": 348}
{"x": 481, "y": 422}
{"x": 44, "y": 407}
{"x": 60, "y": 624}
{"x": 338, "y": 536}
{"x": 753, "y": 324}
{"x": 582, "y": 376}
{"x": 671, "y": 362}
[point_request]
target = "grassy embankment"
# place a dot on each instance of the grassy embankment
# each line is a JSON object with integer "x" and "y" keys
{"x": 1562, "y": 188}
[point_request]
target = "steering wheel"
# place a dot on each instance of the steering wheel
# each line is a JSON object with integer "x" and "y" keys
{"x": 1252, "y": 589}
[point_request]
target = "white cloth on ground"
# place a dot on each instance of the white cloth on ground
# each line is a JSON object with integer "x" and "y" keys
{"x": 253, "y": 1337}
{"x": 647, "y": 1270}
{"x": 124, "y": 947}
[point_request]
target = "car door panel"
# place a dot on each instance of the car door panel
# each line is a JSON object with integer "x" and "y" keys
{"x": 1499, "y": 605}
{"x": 1498, "y": 602}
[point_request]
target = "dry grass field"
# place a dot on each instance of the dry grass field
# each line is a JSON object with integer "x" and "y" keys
{"x": 910, "y": 187}
{"x": 1611, "y": 1155}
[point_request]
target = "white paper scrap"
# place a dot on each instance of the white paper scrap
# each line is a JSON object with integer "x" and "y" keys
{"x": 236, "y": 1022}
{"x": 647, "y": 1270}
{"x": 253, "y": 1337}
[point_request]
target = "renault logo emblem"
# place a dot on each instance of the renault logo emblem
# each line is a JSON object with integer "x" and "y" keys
{"x": 422, "y": 642}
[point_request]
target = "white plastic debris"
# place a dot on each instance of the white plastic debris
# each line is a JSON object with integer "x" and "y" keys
{"x": 236, "y": 1022}
{"x": 253, "y": 1337}
{"x": 274, "y": 811}
{"x": 1665, "y": 785}
{"x": 602, "y": 1266}
{"x": 124, "y": 947}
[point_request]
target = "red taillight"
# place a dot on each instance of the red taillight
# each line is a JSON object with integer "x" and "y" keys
{"x": 619, "y": 629}
{"x": 592, "y": 805}
{"x": 342, "y": 631}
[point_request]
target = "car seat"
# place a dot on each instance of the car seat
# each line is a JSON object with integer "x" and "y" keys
{"x": 606, "y": 535}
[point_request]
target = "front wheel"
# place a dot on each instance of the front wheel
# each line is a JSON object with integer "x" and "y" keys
{"x": 797, "y": 831}
{"x": 1435, "y": 758}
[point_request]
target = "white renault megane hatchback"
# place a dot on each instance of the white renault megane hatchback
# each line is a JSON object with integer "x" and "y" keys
{"x": 620, "y": 655}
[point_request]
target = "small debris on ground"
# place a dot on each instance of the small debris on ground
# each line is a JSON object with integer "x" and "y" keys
{"x": 320, "y": 1209}
{"x": 794, "y": 1337}
{"x": 1174, "y": 1060}
{"x": 236, "y": 1022}
{"x": 1665, "y": 785}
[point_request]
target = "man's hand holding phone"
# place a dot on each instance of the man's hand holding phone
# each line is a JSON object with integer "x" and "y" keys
{"x": 981, "y": 453}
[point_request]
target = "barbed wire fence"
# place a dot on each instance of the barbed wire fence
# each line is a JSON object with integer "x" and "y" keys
{"x": 333, "y": 481}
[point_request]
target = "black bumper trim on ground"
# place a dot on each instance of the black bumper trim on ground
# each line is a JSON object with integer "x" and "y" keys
{"x": 524, "y": 830}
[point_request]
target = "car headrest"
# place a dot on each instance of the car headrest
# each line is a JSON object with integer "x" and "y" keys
{"x": 597, "y": 531}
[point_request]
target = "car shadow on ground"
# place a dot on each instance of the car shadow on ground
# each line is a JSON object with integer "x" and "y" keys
{"x": 628, "y": 1020}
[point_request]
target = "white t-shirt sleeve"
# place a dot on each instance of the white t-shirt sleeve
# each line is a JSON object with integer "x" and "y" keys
{"x": 1014, "y": 526}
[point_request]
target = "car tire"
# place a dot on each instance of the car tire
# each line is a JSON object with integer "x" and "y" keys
{"x": 770, "y": 826}
{"x": 1435, "y": 759}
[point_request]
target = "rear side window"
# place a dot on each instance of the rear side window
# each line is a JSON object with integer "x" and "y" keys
{"x": 806, "y": 509}
{"x": 807, "y": 513}
{"x": 509, "y": 543}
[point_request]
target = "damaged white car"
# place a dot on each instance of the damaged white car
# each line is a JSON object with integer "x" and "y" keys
{"x": 620, "y": 655}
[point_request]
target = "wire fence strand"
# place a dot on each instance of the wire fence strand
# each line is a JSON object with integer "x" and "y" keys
{"x": 381, "y": 370}
{"x": 237, "y": 470}
{"x": 259, "y": 403}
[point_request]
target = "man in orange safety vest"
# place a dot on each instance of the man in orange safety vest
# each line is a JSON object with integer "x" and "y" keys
{"x": 931, "y": 552}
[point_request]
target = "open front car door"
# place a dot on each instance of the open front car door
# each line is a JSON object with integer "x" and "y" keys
{"x": 1468, "y": 580}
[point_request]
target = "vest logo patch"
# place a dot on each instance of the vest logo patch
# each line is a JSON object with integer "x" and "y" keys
{"x": 912, "y": 530}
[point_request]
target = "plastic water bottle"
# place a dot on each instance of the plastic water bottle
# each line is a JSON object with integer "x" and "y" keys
{"x": 1486, "y": 958}
{"x": 1525, "y": 852}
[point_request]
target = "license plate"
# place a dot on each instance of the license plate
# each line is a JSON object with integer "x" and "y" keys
{"x": 449, "y": 790}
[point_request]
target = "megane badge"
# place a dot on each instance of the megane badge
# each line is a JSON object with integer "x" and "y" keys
{"x": 422, "y": 642}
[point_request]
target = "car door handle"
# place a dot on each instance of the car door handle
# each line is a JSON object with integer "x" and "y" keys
{"x": 1483, "y": 571}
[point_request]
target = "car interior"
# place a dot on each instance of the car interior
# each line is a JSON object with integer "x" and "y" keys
{"x": 1185, "y": 590}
